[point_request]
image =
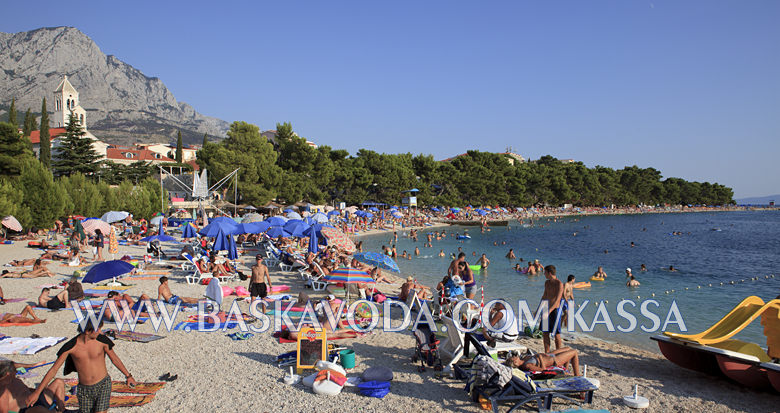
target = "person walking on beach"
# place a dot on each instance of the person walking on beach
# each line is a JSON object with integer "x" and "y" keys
{"x": 86, "y": 355}
{"x": 553, "y": 292}
{"x": 257, "y": 283}
{"x": 98, "y": 245}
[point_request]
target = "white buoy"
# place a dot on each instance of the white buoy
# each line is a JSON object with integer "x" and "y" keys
{"x": 636, "y": 401}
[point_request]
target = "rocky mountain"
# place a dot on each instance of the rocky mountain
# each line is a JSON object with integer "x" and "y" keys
{"x": 123, "y": 105}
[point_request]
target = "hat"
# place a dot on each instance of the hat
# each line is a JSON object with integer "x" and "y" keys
{"x": 410, "y": 278}
{"x": 628, "y": 269}
{"x": 258, "y": 257}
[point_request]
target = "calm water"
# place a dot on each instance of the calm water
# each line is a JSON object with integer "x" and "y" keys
{"x": 714, "y": 248}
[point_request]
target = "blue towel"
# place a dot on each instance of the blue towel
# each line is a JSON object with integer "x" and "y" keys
{"x": 206, "y": 326}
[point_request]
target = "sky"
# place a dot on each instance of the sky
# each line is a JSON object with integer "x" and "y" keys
{"x": 690, "y": 88}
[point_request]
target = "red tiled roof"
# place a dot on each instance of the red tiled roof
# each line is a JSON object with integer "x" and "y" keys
{"x": 35, "y": 136}
{"x": 137, "y": 155}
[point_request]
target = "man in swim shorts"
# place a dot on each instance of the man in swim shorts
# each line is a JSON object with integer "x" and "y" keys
{"x": 553, "y": 292}
{"x": 13, "y": 390}
{"x": 53, "y": 303}
{"x": 164, "y": 293}
{"x": 86, "y": 355}
{"x": 257, "y": 283}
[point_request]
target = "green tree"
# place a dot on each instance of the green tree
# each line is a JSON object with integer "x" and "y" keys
{"x": 12, "y": 114}
{"x": 41, "y": 196}
{"x": 29, "y": 124}
{"x": 75, "y": 153}
{"x": 179, "y": 149}
{"x": 14, "y": 150}
{"x": 259, "y": 176}
{"x": 44, "y": 152}
{"x": 10, "y": 198}
{"x": 84, "y": 194}
{"x": 205, "y": 139}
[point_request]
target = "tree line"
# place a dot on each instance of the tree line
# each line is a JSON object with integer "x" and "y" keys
{"x": 38, "y": 191}
{"x": 290, "y": 170}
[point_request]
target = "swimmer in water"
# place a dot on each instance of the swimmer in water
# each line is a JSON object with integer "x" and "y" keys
{"x": 672, "y": 269}
{"x": 642, "y": 267}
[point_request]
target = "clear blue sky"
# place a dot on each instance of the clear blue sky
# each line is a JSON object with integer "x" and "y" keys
{"x": 691, "y": 88}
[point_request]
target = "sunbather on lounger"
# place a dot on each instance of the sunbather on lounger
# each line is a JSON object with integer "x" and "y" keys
{"x": 27, "y": 316}
{"x": 14, "y": 393}
{"x": 539, "y": 362}
{"x": 164, "y": 293}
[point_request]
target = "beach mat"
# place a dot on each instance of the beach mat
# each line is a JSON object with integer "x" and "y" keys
{"x": 122, "y": 387}
{"x": 185, "y": 326}
{"x": 27, "y": 345}
{"x": 133, "y": 336}
{"x": 117, "y": 401}
{"x": 139, "y": 278}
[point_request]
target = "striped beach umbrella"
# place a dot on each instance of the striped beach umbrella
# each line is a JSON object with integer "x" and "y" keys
{"x": 12, "y": 223}
{"x": 90, "y": 225}
{"x": 348, "y": 275}
{"x": 337, "y": 238}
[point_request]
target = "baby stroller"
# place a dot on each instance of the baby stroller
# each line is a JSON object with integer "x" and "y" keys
{"x": 427, "y": 351}
{"x": 155, "y": 249}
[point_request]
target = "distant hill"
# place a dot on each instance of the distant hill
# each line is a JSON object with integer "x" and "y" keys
{"x": 123, "y": 105}
{"x": 760, "y": 200}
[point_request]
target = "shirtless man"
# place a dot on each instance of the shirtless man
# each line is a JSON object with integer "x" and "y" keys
{"x": 27, "y": 316}
{"x": 14, "y": 393}
{"x": 257, "y": 283}
{"x": 53, "y": 303}
{"x": 483, "y": 261}
{"x": 511, "y": 254}
{"x": 86, "y": 354}
{"x": 410, "y": 287}
{"x": 453, "y": 268}
{"x": 600, "y": 273}
{"x": 132, "y": 304}
{"x": 164, "y": 293}
{"x": 553, "y": 292}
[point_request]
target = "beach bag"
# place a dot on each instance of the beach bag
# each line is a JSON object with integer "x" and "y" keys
{"x": 379, "y": 298}
{"x": 378, "y": 389}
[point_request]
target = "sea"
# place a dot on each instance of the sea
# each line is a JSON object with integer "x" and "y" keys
{"x": 720, "y": 257}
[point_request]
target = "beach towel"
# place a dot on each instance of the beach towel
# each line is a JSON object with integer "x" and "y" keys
{"x": 27, "y": 345}
{"x": 131, "y": 336}
{"x": 117, "y": 401}
{"x": 18, "y": 324}
{"x": 14, "y": 300}
{"x": 122, "y": 387}
{"x": 108, "y": 288}
{"x": 139, "y": 278}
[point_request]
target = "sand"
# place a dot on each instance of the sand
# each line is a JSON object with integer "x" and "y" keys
{"x": 216, "y": 373}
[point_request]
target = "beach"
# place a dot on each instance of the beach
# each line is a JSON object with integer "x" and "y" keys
{"x": 216, "y": 373}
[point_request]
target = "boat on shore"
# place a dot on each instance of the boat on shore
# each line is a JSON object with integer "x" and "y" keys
{"x": 713, "y": 351}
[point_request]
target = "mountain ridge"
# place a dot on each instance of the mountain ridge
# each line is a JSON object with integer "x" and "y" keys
{"x": 123, "y": 104}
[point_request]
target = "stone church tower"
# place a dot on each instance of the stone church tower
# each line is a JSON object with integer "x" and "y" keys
{"x": 66, "y": 100}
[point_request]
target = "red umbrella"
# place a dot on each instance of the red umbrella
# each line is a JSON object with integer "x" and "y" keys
{"x": 338, "y": 238}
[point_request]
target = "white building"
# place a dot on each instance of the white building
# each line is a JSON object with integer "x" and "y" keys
{"x": 66, "y": 100}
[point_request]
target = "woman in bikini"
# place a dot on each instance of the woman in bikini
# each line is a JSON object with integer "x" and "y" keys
{"x": 539, "y": 362}
{"x": 27, "y": 316}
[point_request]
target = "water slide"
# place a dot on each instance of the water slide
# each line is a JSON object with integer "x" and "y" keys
{"x": 742, "y": 315}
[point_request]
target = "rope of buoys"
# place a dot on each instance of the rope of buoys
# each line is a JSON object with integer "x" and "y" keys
{"x": 733, "y": 282}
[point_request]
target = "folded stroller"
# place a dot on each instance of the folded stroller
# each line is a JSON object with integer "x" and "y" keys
{"x": 427, "y": 351}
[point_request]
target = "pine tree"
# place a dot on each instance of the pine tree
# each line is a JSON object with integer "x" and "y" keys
{"x": 179, "y": 149}
{"x": 12, "y": 114}
{"x": 75, "y": 154}
{"x": 205, "y": 139}
{"x": 44, "y": 153}
{"x": 13, "y": 150}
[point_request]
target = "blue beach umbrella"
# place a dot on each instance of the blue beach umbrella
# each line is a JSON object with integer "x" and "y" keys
{"x": 220, "y": 241}
{"x": 320, "y": 218}
{"x": 313, "y": 240}
{"x": 295, "y": 227}
{"x": 224, "y": 224}
{"x": 332, "y": 213}
{"x": 276, "y": 221}
{"x": 397, "y": 215}
{"x": 107, "y": 270}
{"x": 293, "y": 215}
{"x": 232, "y": 250}
{"x": 189, "y": 231}
{"x": 434, "y": 209}
{"x": 375, "y": 209}
{"x": 277, "y": 231}
{"x": 255, "y": 227}
{"x": 161, "y": 238}
{"x": 377, "y": 259}
{"x": 288, "y": 210}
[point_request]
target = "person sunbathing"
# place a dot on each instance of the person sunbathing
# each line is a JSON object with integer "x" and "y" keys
{"x": 539, "y": 362}
{"x": 27, "y": 316}
{"x": 132, "y": 304}
{"x": 14, "y": 393}
{"x": 53, "y": 303}
{"x": 164, "y": 293}
{"x": 376, "y": 274}
{"x": 23, "y": 263}
{"x": 2, "y": 297}
{"x": 410, "y": 287}
{"x": 38, "y": 270}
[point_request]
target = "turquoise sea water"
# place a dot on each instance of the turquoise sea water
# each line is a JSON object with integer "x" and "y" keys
{"x": 718, "y": 247}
